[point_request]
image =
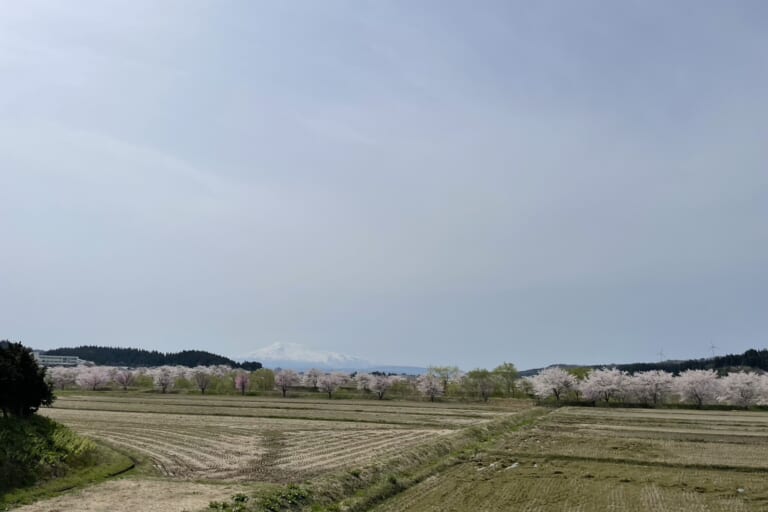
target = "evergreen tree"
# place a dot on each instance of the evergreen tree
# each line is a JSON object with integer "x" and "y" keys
{"x": 23, "y": 386}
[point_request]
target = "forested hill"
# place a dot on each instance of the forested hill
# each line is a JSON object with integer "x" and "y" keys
{"x": 113, "y": 356}
{"x": 756, "y": 359}
{"x": 751, "y": 358}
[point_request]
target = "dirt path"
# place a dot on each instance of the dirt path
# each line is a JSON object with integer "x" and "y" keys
{"x": 133, "y": 494}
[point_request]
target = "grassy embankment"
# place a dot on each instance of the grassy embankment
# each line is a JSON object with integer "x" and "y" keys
{"x": 39, "y": 458}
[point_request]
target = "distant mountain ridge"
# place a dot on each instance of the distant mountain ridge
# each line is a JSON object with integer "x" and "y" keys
{"x": 300, "y": 357}
{"x": 118, "y": 356}
{"x": 752, "y": 358}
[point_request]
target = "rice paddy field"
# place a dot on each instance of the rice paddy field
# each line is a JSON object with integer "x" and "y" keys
{"x": 211, "y": 441}
{"x": 193, "y": 449}
{"x": 586, "y": 459}
{"x": 228, "y": 438}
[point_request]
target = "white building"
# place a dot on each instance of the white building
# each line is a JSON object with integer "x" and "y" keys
{"x": 46, "y": 360}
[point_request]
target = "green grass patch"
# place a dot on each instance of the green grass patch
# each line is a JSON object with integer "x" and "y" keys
{"x": 39, "y": 458}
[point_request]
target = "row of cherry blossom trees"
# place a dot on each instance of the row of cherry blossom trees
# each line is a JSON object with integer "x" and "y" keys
{"x": 163, "y": 378}
{"x": 698, "y": 387}
{"x": 436, "y": 382}
{"x": 204, "y": 378}
{"x": 329, "y": 383}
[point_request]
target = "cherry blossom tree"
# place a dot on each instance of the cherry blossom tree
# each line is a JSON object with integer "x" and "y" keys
{"x": 552, "y": 382}
{"x": 763, "y": 390}
{"x": 219, "y": 370}
{"x": 697, "y": 386}
{"x": 202, "y": 377}
{"x": 62, "y": 377}
{"x": 179, "y": 372}
{"x": 164, "y": 378}
{"x": 311, "y": 378}
{"x": 124, "y": 378}
{"x": 763, "y": 400}
{"x": 92, "y": 377}
{"x": 741, "y": 389}
{"x": 381, "y": 383}
{"x": 364, "y": 381}
{"x": 430, "y": 385}
{"x": 285, "y": 379}
{"x": 242, "y": 381}
{"x": 651, "y": 387}
{"x": 604, "y": 384}
{"x": 330, "y": 382}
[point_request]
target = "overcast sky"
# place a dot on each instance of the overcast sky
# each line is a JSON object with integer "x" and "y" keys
{"x": 414, "y": 182}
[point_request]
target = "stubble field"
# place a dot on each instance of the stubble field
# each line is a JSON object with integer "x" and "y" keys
{"x": 585, "y": 459}
{"x": 194, "y": 449}
{"x": 222, "y": 438}
{"x": 188, "y": 444}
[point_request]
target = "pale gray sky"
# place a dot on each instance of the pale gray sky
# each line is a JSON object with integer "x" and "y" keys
{"x": 413, "y": 182}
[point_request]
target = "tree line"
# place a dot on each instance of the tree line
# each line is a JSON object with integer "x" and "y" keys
{"x": 438, "y": 381}
{"x": 136, "y": 357}
{"x": 756, "y": 359}
{"x": 21, "y": 391}
{"x": 698, "y": 387}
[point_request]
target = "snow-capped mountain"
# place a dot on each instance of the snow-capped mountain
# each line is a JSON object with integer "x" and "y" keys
{"x": 300, "y": 357}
